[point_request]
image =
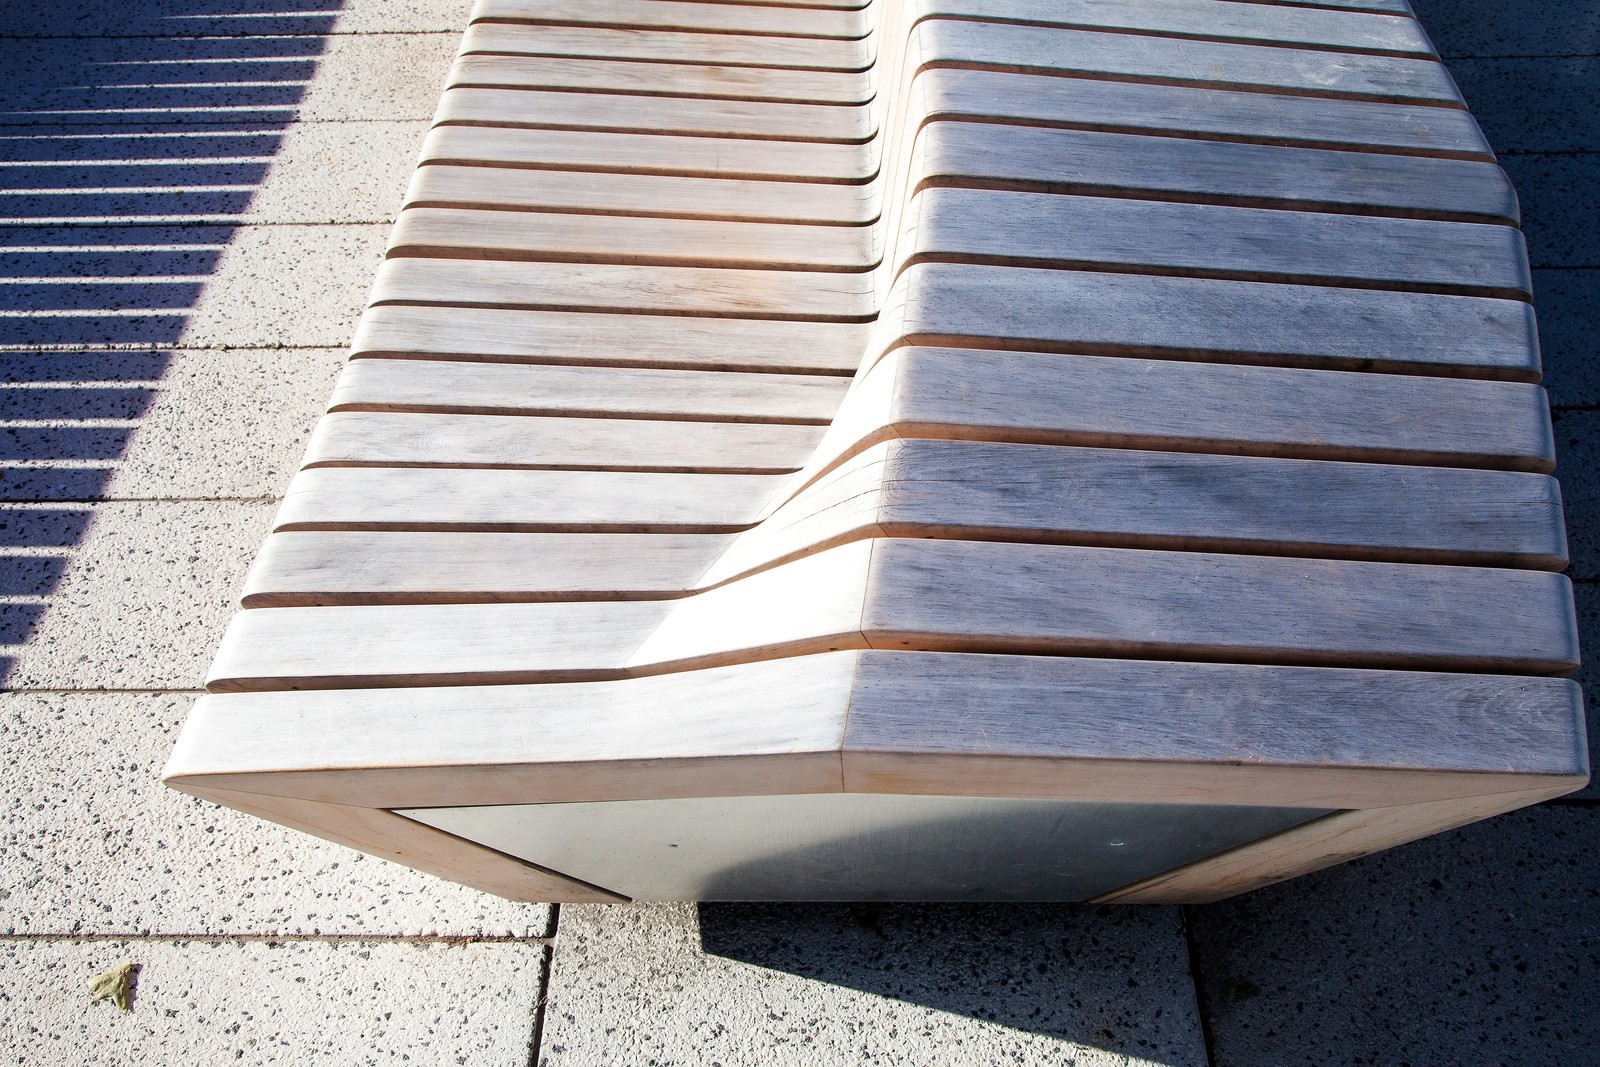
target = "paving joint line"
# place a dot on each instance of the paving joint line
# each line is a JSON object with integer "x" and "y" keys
{"x": 1207, "y": 1039}
{"x": 546, "y": 967}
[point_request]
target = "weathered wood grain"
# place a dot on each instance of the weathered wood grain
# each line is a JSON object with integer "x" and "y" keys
{"x": 659, "y": 79}
{"x": 634, "y": 153}
{"x": 1207, "y": 240}
{"x": 1034, "y": 49}
{"x": 769, "y": 20}
{"x": 1252, "y": 175}
{"x": 456, "y": 233}
{"x": 413, "y": 439}
{"x": 632, "y": 340}
{"x": 1201, "y": 19}
{"x": 353, "y": 498}
{"x": 643, "y": 195}
{"x": 755, "y": 294}
{"x": 669, "y": 116}
{"x": 1183, "y": 111}
{"x": 963, "y": 306}
{"x": 711, "y": 49}
{"x": 635, "y": 393}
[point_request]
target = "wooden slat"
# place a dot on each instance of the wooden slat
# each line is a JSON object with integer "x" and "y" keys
{"x": 499, "y": 389}
{"x": 826, "y": 297}
{"x": 963, "y": 306}
{"x": 558, "y": 337}
{"x": 938, "y": 596}
{"x": 679, "y": 15}
{"x": 308, "y": 567}
{"x": 1204, "y": 19}
{"x": 640, "y": 195}
{"x": 1191, "y": 605}
{"x": 914, "y": 708}
{"x": 411, "y": 439}
{"x": 1093, "y": 496}
{"x": 1207, "y": 240}
{"x": 670, "y": 116}
{"x": 425, "y": 498}
{"x": 1032, "y": 49}
{"x": 1026, "y": 725}
{"x": 647, "y": 737}
{"x": 712, "y": 49}
{"x": 1212, "y": 113}
{"x": 632, "y": 153}
{"x": 1135, "y": 403}
{"x": 658, "y": 79}
{"x": 549, "y": 237}
{"x": 1166, "y": 168}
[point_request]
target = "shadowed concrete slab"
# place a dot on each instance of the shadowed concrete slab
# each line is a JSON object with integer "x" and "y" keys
{"x": 918, "y": 985}
{"x": 1477, "y": 947}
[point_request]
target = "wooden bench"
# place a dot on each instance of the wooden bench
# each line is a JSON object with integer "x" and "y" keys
{"x": 937, "y": 449}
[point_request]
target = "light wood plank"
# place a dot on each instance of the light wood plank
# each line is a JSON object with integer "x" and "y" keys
{"x": 659, "y": 46}
{"x": 757, "y": 728}
{"x": 669, "y": 15}
{"x": 636, "y": 195}
{"x": 634, "y": 153}
{"x": 942, "y": 596}
{"x": 1032, "y": 49}
{"x": 1203, "y": 19}
{"x": 1166, "y": 168}
{"x": 1330, "y": 510}
{"x": 1202, "y": 407}
{"x": 1113, "y": 730}
{"x": 303, "y": 568}
{"x": 758, "y": 294}
{"x": 560, "y": 337}
{"x": 668, "y": 116}
{"x": 456, "y": 233}
{"x": 1215, "y": 114}
{"x": 963, "y": 306}
{"x": 1208, "y": 240}
{"x": 412, "y": 439}
{"x": 974, "y": 596}
{"x": 657, "y": 79}
{"x": 503, "y": 389}
{"x": 332, "y": 498}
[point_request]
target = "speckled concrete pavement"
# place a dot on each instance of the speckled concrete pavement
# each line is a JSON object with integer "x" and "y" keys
{"x": 193, "y": 199}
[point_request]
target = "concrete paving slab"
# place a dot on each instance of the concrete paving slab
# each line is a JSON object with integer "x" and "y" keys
{"x": 1578, "y": 451}
{"x": 210, "y": 80}
{"x": 227, "y": 424}
{"x": 1477, "y": 947}
{"x": 152, "y": 286}
{"x": 928, "y": 985}
{"x": 92, "y": 842}
{"x": 206, "y": 424}
{"x": 1535, "y": 104}
{"x": 302, "y": 286}
{"x": 1568, "y": 306}
{"x": 141, "y": 602}
{"x": 219, "y": 1002}
{"x": 339, "y": 172}
{"x": 182, "y": 18}
{"x": 381, "y": 77}
{"x": 1559, "y": 215}
{"x": 308, "y": 172}
{"x": 1511, "y": 27}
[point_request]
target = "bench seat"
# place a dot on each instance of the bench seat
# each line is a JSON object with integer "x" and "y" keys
{"x": 920, "y": 450}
